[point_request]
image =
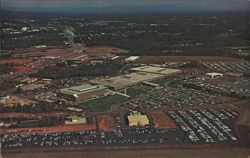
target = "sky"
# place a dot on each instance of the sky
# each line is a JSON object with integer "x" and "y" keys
{"x": 124, "y": 5}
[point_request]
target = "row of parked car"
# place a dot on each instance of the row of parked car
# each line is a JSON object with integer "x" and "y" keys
{"x": 205, "y": 125}
{"x": 231, "y": 66}
{"x": 221, "y": 87}
{"x": 171, "y": 97}
{"x": 49, "y": 139}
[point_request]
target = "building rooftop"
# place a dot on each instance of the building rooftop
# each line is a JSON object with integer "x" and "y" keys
{"x": 132, "y": 58}
{"x": 138, "y": 119}
{"x": 129, "y": 79}
{"x": 81, "y": 89}
{"x": 157, "y": 70}
{"x": 214, "y": 74}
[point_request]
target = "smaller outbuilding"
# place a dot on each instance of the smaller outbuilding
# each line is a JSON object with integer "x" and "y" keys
{"x": 214, "y": 74}
{"x": 75, "y": 120}
{"x": 137, "y": 119}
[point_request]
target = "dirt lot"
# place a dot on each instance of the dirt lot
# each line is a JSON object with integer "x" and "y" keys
{"x": 106, "y": 122}
{"x": 19, "y": 65}
{"x": 104, "y": 49}
{"x": 22, "y": 69}
{"x": 162, "y": 59}
{"x": 61, "y": 128}
{"x": 177, "y": 153}
{"x": 48, "y": 52}
{"x": 33, "y": 116}
{"x": 160, "y": 120}
{"x": 69, "y": 52}
{"x": 15, "y": 62}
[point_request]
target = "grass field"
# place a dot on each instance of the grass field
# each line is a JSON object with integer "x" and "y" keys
{"x": 164, "y": 81}
{"x": 102, "y": 104}
{"x": 137, "y": 90}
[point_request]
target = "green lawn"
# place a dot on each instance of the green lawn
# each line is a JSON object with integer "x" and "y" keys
{"x": 164, "y": 81}
{"x": 137, "y": 90}
{"x": 102, "y": 104}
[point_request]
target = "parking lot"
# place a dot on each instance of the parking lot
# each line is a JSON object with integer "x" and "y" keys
{"x": 146, "y": 135}
{"x": 228, "y": 66}
{"x": 49, "y": 139}
{"x": 206, "y": 126}
{"x": 130, "y": 136}
{"x": 239, "y": 88}
{"x": 177, "y": 97}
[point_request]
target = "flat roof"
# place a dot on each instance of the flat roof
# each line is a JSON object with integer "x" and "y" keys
{"x": 81, "y": 89}
{"x": 214, "y": 74}
{"x": 156, "y": 69}
{"x": 129, "y": 79}
{"x": 132, "y": 58}
{"x": 137, "y": 119}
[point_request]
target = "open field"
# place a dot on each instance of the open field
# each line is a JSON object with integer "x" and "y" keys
{"x": 61, "y": 128}
{"x": 94, "y": 50}
{"x": 104, "y": 49}
{"x": 19, "y": 65}
{"x": 106, "y": 123}
{"x": 15, "y": 61}
{"x": 177, "y": 153}
{"x": 102, "y": 104}
{"x": 138, "y": 90}
{"x": 22, "y": 69}
{"x": 164, "y": 81}
{"x": 160, "y": 120}
{"x": 162, "y": 59}
{"x": 32, "y": 116}
{"x": 47, "y": 52}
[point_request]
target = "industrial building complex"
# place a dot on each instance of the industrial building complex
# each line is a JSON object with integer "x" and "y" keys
{"x": 142, "y": 74}
{"x": 157, "y": 70}
{"x": 124, "y": 81}
{"x": 80, "y": 83}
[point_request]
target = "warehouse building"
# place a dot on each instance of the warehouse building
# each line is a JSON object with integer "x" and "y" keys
{"x": 137, "y": 119}
{"x": 124, "y": 81}
{"x": 75, "y": 120}
{"x": 143, "y": 74}
{"x": 157, "y": 70}
{"x": 83, "y": 92}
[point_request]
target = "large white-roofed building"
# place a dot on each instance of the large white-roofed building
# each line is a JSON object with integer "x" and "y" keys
{"x": 83, "y": 92}
{"x": 157, "y": 70}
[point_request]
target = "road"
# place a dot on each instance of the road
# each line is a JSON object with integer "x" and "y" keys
{"x": 175, "y": 153}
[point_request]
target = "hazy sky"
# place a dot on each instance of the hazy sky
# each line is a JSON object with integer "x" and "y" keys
{"x": 69, "y": 5}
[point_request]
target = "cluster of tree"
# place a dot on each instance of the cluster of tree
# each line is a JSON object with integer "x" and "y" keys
{"x": 27, "y": 40}
{"x": 6, "y": 85}
{"x": 142, "y": 35}
{"x": 60, "y": 72}
{"x": 42, "y": 107}
{"x": 5, "y": 69}
{"x": 51, "y": 121}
